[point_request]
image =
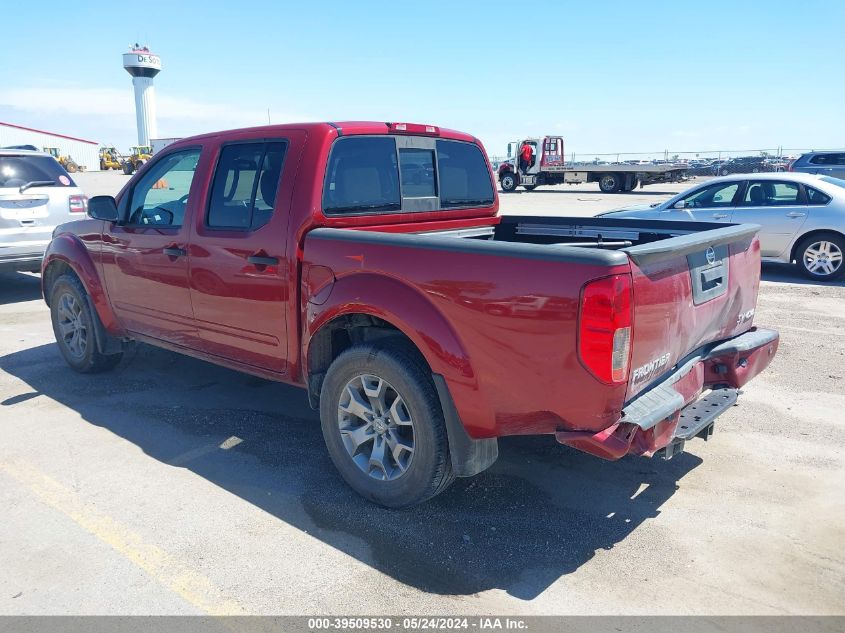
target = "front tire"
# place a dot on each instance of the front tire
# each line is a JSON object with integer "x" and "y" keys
{"x": 509, "y": 182}
{"x": 383, "y": 424}
{"x": 820, "y": 256}
{"x": 73, "y": 326}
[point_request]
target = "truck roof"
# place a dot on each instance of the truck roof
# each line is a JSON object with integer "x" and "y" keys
{"x": 343, "y": 128}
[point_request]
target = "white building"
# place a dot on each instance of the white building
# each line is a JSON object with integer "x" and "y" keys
{"x": 84, "y": 152}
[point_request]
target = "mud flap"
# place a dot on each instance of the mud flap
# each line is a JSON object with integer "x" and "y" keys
{"x": 469, "y": 456}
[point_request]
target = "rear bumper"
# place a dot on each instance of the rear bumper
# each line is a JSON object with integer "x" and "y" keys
{"x": 668, "y": 414}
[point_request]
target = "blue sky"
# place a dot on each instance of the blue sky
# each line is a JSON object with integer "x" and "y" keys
{"x": 608, "y": 76}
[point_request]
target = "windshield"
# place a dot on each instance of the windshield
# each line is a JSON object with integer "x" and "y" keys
{"x": 16, "y": 171}
{"x": 834, "y": 181}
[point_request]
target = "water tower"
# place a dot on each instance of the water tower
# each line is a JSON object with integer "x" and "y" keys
{"x": 143, "y": 66}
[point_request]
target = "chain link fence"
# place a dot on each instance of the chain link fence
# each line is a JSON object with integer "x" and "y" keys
{"x": 701, "y": 162}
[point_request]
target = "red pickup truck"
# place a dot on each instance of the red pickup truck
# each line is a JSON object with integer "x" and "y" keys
{"x": 367, "y": 263}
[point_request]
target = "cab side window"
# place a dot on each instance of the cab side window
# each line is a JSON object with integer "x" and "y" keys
{"x": 161, "y": 196}
{"x": 245, "y": 185}
{"x": 719, "y": 195}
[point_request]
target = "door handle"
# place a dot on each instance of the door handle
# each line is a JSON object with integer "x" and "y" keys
{"x": 174, "y": 251}
{"x": 719, "y": 216}
{"x": 262, "y": 260}
{"x": 795, "y": 214}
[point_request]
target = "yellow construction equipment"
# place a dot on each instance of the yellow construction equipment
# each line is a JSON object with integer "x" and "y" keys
{"x": 110, "y": 158}
{"x": 138, "y": 155}
{"x": 65, "y": 161}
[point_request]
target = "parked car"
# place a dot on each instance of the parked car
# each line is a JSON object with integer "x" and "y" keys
{"x": 422, "y": 324}
{"x": 802, "y": 216}
{"x": 742, "y": 165}
{"x": 823, "y": 163}
{"x": 36, "y": 195}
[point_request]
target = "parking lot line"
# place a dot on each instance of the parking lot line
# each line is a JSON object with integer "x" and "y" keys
{"x": 162, "y": 566}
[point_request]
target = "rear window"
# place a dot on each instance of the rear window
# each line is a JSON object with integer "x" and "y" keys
{"x": 464, "y": 178}
{"x": 362, "y": 177}
{"x": 16, "y": 171}
{"x": 384, "y": 174}
{"x": 834, "y": 181}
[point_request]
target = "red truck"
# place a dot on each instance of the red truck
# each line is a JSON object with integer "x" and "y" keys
{"x": 367, "y": 263}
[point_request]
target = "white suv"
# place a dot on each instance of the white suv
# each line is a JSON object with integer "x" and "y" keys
{"x": 36, "y": 195}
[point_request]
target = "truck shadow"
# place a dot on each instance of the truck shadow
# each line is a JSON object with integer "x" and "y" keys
{"x": 540, "y": 512}
{"x": 15, "y": 287}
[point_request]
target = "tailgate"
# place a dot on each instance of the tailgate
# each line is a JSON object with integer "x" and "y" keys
{"x": 689, "y": 291}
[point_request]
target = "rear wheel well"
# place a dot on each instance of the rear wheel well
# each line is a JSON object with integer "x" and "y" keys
{"x": 794, "y": 255}
{"x": 337, "y": 336}
{"x": 55, "y": 270}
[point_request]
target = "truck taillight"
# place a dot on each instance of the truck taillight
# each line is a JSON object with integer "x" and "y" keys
{"x": 78, "y": 204}
{"x": 604, "y": 328}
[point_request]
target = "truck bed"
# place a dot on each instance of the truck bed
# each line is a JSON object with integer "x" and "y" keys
{"x": 508, "y": 298}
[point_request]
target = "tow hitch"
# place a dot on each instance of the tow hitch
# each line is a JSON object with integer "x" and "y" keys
{"x": 697, "y": 419}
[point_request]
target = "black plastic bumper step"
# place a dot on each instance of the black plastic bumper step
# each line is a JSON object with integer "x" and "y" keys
{"x": 697, "y": 418}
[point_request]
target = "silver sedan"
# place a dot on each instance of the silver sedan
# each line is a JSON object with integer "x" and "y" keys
{"x": 802, "y": 216}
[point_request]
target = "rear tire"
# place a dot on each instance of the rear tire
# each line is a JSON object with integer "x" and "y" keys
{"x": 610, "y": 183}
{"x": 368, "y": 436}
{"x": 820, "y": 256}
{"x": 73, "y": 326}
{"x": 509, "y": 182}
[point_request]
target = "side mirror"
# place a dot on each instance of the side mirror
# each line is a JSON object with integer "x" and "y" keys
{"x": 680, "y": 204}
{"x": 103, "y": 208}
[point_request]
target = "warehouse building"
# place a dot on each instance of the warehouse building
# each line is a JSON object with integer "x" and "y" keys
{"x": 83, "y": 152}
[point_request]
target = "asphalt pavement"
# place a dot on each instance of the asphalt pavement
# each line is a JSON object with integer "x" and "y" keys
{"x": 172, "y": 486}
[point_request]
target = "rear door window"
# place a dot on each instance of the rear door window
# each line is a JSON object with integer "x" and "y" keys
{"x": 770, "y": 193}
{"x": 245, "y": 182}
{"x": 464, "y": 176}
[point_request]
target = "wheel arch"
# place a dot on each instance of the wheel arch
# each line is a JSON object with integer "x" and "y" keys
{"x": 378, "y": 306}
{"x": 793, "y": 250}
{"x": 349, "y": 319}
{"x": 67, "y": 255}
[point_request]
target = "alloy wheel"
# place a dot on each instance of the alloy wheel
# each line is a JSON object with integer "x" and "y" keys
{"x": 823, "y": 258}
{"x": 74, "y": 333}
{"x": 376, "y": 427}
